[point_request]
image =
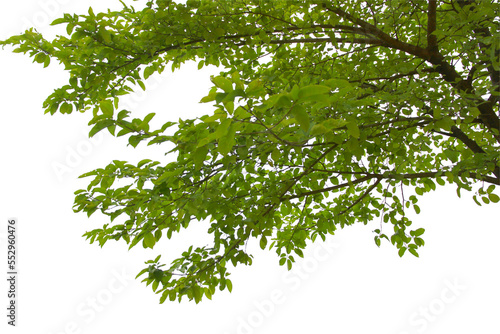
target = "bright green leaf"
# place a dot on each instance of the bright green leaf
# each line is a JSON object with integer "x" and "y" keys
{"x": 301, "y": 117}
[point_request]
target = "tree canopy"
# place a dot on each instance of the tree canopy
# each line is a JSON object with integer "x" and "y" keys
{"x": 325, "y": 114}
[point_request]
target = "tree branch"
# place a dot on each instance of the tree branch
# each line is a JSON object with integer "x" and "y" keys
{"x": 371, "y": 41}
{"x": 343, "y": 185}
{"x": 380, "y": 177}
{"x": 488, "y": 116}
{"x": 379, "y": 34}
{"x": 366, "y": 193}
{"x": 432, "y": 45}
{"x": 472, "y": 145}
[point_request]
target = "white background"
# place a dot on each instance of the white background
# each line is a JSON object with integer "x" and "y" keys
{"x": 346, "y": 285}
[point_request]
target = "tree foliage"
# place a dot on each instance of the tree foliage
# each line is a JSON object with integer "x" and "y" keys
{"x": 325, "y": 114}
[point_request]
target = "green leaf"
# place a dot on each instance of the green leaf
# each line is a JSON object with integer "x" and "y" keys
{"x": 264, "y": 36}
{"x": 223, "y": 128}
{"x": 112, "y": 129}
{"x": 196, "y": 293}
{"x": 143, "y": 162}
{"x": 58, "y": 21}
{"x": 452, "y": 155}
{"x": 206, "y": 140}
{"x": 283, "y": 102}
{"x": 106, "y": 107}
{"x": 413, "y": 251}
{"x": 122, "y": 114}
{"x": 445, "y": 123}
{"x": 229, "y": 106}
{"x": 353, "y": 129}
{"x": 319, "y": 129}
{"x": 209, "y": 98}
{"x": 66, "y": 108}
{"x": 419, "y": 241}
{"x": 104, "y": 34}
{"x": 419, "y": 232}
{"x": 402, "y": 251}
{"x": 149, "y": 240}
{"x": 301, "y": 117}
{"x": 226, "y": 143}
{"x": 46, "y": 61}
{"x": 275, "y": 155}
{"x": 225, "y": 84}
{"x": 141, "y": 84}
{"x": 100, "y": 125}
{"x": 148, "y": 71}
{"x": 337, "y": 83}
{"x": 147, "y": 119}
{"x": 208, "y": 294}
{"x": 134, "y": 140}
{"x": 253, "y": 87}
{"x": 263, "y": 242}
{"x": 494, "y": 198}
{"x": 40, "y": 57}
{"x": 168, "y": 174}
{"x": 199, "y": 156}
{"x": 311, "y": 90}
{"x": 69, "y": 28}
{"x": 334, "y": 123}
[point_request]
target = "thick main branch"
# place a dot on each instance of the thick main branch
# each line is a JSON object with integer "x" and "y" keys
{"x": 432, "y": 45}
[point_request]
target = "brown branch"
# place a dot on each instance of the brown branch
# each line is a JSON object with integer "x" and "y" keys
{"x": 380, "y": 177}
{"x": 366, "y": 193}
{"x": 494, "y": 74}
{"x": 472, "y": 145}
{"x": 371, "y": 41}
{"x": 398, "y": 76}
{"x": 379, "y": 34}
{"x": 343, "y": 185}
{"x": 488, "y": 116}
{"x": 432, "y": 45}
{"x": 269, "y": 130}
